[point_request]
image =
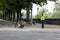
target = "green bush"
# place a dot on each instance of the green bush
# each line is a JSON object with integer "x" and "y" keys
{"x": 55, "y": 15}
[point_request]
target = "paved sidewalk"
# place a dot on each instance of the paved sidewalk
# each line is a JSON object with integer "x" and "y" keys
{"x": 31, "y": 29}
{"x": 38, "y": 25}
{"x": 4, "y": 23}
{"x": 7, "y": 26}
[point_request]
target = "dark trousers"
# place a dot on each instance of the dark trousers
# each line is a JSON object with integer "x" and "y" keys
{"x": 42, "y": 23}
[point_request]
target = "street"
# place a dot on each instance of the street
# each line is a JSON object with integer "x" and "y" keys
{"x": 29, "y": 19}
{"x": 19, "y": 35}
{"x": 34, "y": 32}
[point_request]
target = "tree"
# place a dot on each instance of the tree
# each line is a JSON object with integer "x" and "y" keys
{"x": 17, "y": 5}
{"x": 40, "y": 2}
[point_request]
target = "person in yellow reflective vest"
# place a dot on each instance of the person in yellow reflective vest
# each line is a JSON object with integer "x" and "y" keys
{"x": 42, "y": 18}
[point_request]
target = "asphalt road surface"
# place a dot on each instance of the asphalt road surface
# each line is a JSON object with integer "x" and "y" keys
{"x": 19, "y": 35}
{"x": 28, "y": 35}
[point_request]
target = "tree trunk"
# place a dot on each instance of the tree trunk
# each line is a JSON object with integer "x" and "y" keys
{"x": 27, "y": 15}
{"x": 8, "y": 14}
{"x": 5, "y": 15}
{"x": 13, "y": 15}
{"x": 19, "y": 14}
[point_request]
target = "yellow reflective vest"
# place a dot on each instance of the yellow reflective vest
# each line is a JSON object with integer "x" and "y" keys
{"x": 42, "y": 17}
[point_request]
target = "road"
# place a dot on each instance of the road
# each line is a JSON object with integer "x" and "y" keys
{"x": 19, "y": 35}
{"x": 8, "y": 32}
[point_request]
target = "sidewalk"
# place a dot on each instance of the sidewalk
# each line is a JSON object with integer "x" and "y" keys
{"x": 38, "y": 25}
{"x": 4, "y": 23}
{"x": 7, "y": 26}
{"x": 31, "y": 29}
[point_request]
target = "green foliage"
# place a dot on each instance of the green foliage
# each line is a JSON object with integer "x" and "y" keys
{"x": 55, "y": 15}
{"x": 49, "y": 15}
{"x": 1, "y": 13}
{"x": 17, "y": 5}
{"x": 38, "y": 16}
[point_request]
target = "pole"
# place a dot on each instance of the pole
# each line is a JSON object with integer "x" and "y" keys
{"x": 31, "y": 14}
